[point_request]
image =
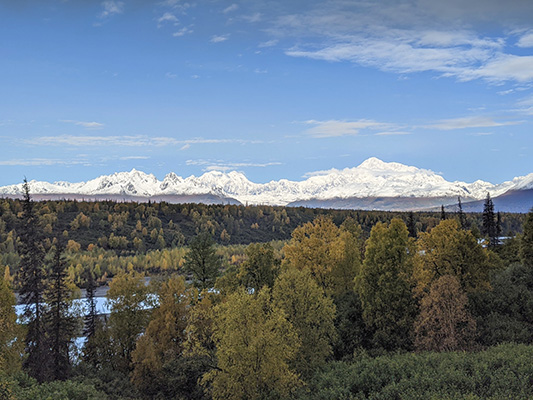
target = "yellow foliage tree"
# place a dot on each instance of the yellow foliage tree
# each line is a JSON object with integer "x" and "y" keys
{"x": 164, "y": 336}
{"x": 255, "y": 345}
{"x": 312, "y": 315}
{"x": 449, "y": 250}
{"x": 327, "y": 252}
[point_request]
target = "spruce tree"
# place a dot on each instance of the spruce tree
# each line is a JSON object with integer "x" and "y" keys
{"x": 489, "y": 222}
{"x": 442, "y": 213}
{"x": 202, "y": 262}
{"x": 526, "y": 243}
{"x": 61, "y": 324}
{"x": 461, "y": 214}
{"x": 31, "y": 277}
{"x": 411, "y": 226}
{"x": 90, "y": 353}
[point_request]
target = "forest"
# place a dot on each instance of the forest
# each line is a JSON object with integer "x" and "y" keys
{"x": 263, "y": 302}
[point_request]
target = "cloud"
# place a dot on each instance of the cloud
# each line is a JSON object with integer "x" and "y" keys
{"x": 167, "y": 17}
{"x": 219, "y": 38}
{"x": 526, "y": 40}
{"x": 182, "y": 32}
{"x": 134, "y": 158}
{"x": 85, "y": 124}
{"x": 410, "y": 37}
{"x": 220, "y": 165}
{"x": 469, "y": 122}
{"x": 40, "y": 162}
{"x": 335, "y": 128}
{"x": 111, "y": 8}
{"x": 185, "y": 146}
{"x": 256, "y": 17}
{"x": 393, "y": 133}
{"x": 124, "y": 141}
{"x": 268, "y": 43}
{"x": 231, "y": 8}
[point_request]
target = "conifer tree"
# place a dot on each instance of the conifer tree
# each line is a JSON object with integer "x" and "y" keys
{"x": 90, "y": 352}
{"x": 32, "y": 287}
{"x": 489, "y": 222}
{"x": 61, "y": 324}
{"x": 461, "y": 214}
{"x": 526, "y": 243}
{"x": 411, "y": 226}
{"x": 442, "y": 213}
{"x": 202, "y": 262}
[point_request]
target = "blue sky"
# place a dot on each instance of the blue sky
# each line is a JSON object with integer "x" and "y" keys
{"x": 275, "y": 89}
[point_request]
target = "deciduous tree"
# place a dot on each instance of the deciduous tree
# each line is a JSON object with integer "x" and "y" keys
{"x": 312, "y": 315}
{"x": 444, "y": 323}
{"x": 255, "y": 345}
{"x": 385, "y": 285}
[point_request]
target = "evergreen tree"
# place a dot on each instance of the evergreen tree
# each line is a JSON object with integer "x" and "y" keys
{"x": 489, "y": 222}
{"x": 526, "y": 243}
{"x": 202, "y": 262}
{"x": 461, "y": 214}
{"x": 90, "y": 322}
{"x": 411, "y": 225}
{"x": 32, "y": 286}
{"x": 61, "y": 324}
{"x": 442, "y": 213}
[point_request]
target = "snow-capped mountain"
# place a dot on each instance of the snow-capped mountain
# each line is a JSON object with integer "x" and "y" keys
{"x": 371, "y": 179}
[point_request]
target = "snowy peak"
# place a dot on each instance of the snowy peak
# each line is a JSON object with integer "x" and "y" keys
{"x": 371, "y": 179}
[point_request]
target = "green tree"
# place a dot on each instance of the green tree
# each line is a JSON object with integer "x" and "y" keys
{"x": 91, "y": 322}
{"x": 489, "y": 221}
{"x": 444, "y": 323}
{"x": 312, "y": 315}
{"x": 60, "y": 322}
{"x": 260, "y": 268}
{"x": 202, "y": 261}
{"x": 526, "y": 243}
{"x": 255, "y": 345}
{"x": 385, "y": 285}
{"x": 127, "y": 296}
{"x": 32, "y": 287}
{"x": 461, "y": 214}
{"x": 11, "y": 344}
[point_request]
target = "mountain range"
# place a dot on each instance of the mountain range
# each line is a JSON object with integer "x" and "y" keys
{"x": 374, "y": 184}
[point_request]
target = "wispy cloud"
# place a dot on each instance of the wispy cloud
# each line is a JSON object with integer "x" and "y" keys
{"x": 182, "y": 32}
{"x": 185, "y": 146}
{"x": 126, "y": 141}
{"x": 224, "y": 166}
{"x": 167, "y": 17}
{"x": 111, "y": 7}
{"x": 268, "y": 43}
{"x": 219, "y": 38}
{"x": 375, "y": 35}
{"x": 335, "y": 128}
{"x": 232, "y": 7}
{"x": 85, "y": 124}
{"x": 134, "y": 158}
{"x": 31, "y": 162}
{"x": 526, "y": 40}
{"x": 469, "y": 122}
{"x": 393, "y": 133}
{"x": 252, "y": 18}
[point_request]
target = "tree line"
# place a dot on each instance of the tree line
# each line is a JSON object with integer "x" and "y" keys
{"x": 275, "y": 323}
